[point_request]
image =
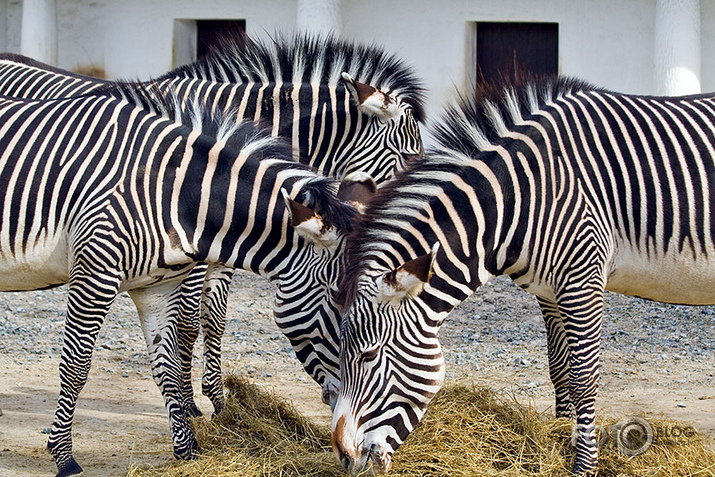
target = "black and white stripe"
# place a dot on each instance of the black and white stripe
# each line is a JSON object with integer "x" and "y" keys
{"x": 296, "y": 86}
{"x": 568, "y": 189}
{"x": 23, "y": 77}
{"x": 105, "y": 196}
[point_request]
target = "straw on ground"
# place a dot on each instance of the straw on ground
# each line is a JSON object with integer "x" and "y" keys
{"x": 467, "y": 431}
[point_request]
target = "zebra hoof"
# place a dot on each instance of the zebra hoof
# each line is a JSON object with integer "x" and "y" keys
{"x": 70, "y": 468}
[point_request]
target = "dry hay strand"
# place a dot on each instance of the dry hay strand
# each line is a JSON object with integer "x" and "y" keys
{"x": 256, "y": 434}
{"x": 467, "y": 431}
{"x": 474, "y": 431}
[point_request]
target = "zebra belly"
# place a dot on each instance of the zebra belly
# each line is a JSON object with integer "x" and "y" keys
{"x": 671, "y": 278}
{"x": 41, "y": 266}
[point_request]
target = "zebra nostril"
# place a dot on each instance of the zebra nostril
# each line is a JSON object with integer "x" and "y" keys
{"x": 346, "y": 460}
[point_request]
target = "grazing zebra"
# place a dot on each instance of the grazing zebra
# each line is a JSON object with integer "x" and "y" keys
{"x": 310, "y": 90}
{"x": 566, "y": 188}
{"x": 108, "y": 197}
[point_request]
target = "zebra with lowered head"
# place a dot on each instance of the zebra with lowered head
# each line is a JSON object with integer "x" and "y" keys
{"x": 568, "y": 189}
{"x": 108, "y": 197}
{"x": 346, "y": 108}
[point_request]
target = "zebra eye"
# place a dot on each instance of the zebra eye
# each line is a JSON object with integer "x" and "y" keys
{"x": 369, "y": 355}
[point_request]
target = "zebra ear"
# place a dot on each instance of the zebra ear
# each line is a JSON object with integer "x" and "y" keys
{"x": 370, "y": 100}
{"x": 309, "y": 224}
{"x": 407, "y": 280}
{"x": 357, "y": 188}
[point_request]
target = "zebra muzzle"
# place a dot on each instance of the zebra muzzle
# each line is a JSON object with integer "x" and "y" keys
{"x": 381, "y": 459}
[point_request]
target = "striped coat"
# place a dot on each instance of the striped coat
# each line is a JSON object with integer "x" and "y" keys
{"x": 568, "y": 189}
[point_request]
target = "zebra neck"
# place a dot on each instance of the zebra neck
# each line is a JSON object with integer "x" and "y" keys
{"x": 230, "y": 209}
{"x": 311, "y": 116}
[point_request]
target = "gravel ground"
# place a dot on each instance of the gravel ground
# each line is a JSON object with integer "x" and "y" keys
{"x": 656, "y": 358}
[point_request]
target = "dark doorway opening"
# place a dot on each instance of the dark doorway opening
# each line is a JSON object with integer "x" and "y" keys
{"x": 212, "y": 34}
{"x": 505, "y": 50}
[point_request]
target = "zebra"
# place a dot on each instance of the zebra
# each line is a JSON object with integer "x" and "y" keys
{"x": 106, "y": 196}
{"x": 568, "y": 189}
{"x": 313, "y": 90}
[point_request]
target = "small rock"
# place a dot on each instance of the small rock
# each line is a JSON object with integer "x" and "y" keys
{"x": 682, "y": 404}
{"x": 46, "y": 430}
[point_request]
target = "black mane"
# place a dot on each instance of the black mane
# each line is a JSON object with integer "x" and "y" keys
{"x": 465, "y": 129}
{"x": 494, "y": 106}
{"x": 318, "y": 193}
{"x": 307, "y": 58}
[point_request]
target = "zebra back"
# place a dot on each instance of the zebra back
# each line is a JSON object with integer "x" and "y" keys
{"x": 111, "y": 148}
{"x": 23, "y": 77}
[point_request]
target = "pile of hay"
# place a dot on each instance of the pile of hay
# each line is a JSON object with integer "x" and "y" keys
{"x": 256, "y": 434}
{"x": 472, "y": 431}
{"x": 468, "y": 431}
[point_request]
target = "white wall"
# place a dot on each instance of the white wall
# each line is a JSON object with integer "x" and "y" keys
{"x": 81, "y": 26}
{"x": 707, "y": 45}
{"x": 607, "y": 42}
{"x": 10, "y": 23}
{"x": 3, "y": 25}
{"x": 140, "y": 33}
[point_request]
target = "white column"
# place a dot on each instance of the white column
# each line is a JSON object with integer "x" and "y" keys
{"x": 38, "y": 39}
{"x": 319, "y": 16}
{"x": 677, "y": 47}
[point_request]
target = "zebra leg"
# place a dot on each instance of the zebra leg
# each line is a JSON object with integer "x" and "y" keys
{"x": 214, "y": 301}
{"x": 558, "y": 358}
{"x": 158, "y": 307}
{"x": 89, "y": 298}
{"x": 581, "y": 311}
{"x": 188, "y": 332}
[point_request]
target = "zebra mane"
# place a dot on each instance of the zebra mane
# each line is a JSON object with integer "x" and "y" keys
{"x": 399, "y": 199}
{"x": 474, "y": 122}
{"x": 162, "y": 99}
{"x": 317, "y": 192}
{"x": 467, "y": 127}
{"x": 308, "y": 58}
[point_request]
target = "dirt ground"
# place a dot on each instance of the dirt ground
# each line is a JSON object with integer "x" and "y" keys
{"x": 656, "y": 359}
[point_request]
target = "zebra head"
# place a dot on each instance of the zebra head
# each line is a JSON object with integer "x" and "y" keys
{"x": 305, "y": 308}
{"x": 388, "y": 140}
{"x": 391, "y": 364}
